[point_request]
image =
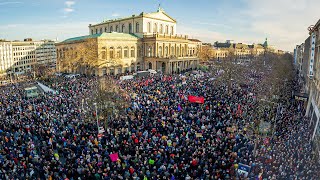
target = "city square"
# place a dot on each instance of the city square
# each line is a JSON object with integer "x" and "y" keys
{"x": 133, "y": 99}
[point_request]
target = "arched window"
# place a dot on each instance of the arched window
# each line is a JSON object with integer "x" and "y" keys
{"x": 137, "y": 27}
{"x": 111, "y": 53}
{"x": 172, "y": 30}
{"x": 117, "y": 28}
{"x": 167, "y": 29}
{"x": 130, "y": 28}
{"x": 161, "y": 29}
{"x": 119, "y": 54}
{"x": 91, "y": 31}
{"x": 126, "y": 52}
{"x": 111, "y": 29}
{"x": 132, "y": 53}
{"x": 123, "y": 28}
{"x": 178, "y": 52}
{"x": 172, "y": 51}
{"x": 149, "y": 27}
{"x": 160, "y": 51}
{"x": 155, "y": 28}
{"x": 166, "y": 51}
{"x": 105, "y": 29}
{"x": 96, "y": 31}
{"x": 100, "y": 30}
{"x": 149, "y": 51}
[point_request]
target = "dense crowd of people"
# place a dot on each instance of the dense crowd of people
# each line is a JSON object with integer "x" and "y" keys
{"x": 160, "y": 134}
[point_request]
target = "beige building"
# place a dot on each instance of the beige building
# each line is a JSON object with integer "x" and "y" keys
{"x": 139, "y": 42}
{"x": 241, "y": 51}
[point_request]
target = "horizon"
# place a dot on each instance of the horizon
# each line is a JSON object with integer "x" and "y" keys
{"x": 211, "y": 21}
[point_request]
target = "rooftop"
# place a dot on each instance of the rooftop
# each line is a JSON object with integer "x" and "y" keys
{"x": 113, "y": 35}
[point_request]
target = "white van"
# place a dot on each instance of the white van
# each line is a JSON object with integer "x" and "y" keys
{"x": 152, "y": 72}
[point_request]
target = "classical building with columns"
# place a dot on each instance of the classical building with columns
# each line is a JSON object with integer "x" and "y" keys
{"x": 139, "y": 42}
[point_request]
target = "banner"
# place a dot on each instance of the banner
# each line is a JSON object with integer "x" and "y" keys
{"x": 114, "y": 157}
{"x": 196, "y": 99}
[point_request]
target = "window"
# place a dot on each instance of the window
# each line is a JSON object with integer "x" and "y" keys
{"x": 178, "y": 52}
{"x": 119, "y": 52}
{"x": 149, "y": 27}
{"x": 91, "y": 31}
{"x": 105, "y": 29}
{"x": 123, "y": 28}
{"x": 137, "y": 27}
{"x": 111, "y": 53}
{"x": 96, "y": 31}
{"x": 132, "y": 52}
{"x": 155, "y": 28}
{"x": 172, "y": 30}
{"x": 166, "y": 51}
{"x": 149, "y": 51}
{"x": 117, "y": 28}
{"x": 167, "y": 29}
{"x": 111, "y": 29}
{"x": 125, "y": 52}
{"x": 100, "y": 30}
{"x": 130, "y": 28}
{"x": 160, "y": 51}
{"x": 172, "y": 50}
{"x": 161, "y": 29}
{"x": 103, "y": 54}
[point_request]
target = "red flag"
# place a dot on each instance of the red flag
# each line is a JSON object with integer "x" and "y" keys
{"x": 196, "y": 99}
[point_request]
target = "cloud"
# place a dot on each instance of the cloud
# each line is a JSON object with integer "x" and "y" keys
{"x": 70, "y": 3}
{"x": 204, "y": 35}
{"x": 284, "y": 22}
{"x": 115, "y": 15}
{"x": 44, "y": 31}
{"x": 68, "y": 10}
{"x": 10, "y": 2}
{"x": 213, "y": 24}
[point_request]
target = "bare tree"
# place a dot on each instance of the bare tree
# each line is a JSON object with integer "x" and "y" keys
{"x": 206, "y": 53}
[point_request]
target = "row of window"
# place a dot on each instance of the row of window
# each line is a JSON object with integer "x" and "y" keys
{"x": 173, "y": 52}
{"x": 25, "y": 57}
{"x": 162, "y": 29}
{"x": 22, "y": 53}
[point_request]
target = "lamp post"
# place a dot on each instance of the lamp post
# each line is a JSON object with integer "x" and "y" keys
{"x": 279, "y": 106}
{"x": 96, "y": 108}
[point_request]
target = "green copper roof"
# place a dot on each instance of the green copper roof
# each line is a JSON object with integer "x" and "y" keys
{"x": 265, "y": 44}
{"x": 113, "y": 35}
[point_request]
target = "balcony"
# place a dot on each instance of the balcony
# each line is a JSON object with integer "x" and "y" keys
{"x": 157, "y": 35}
{"x": 166, "y": 58}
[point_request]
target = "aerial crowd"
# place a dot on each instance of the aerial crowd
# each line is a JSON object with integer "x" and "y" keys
{"x": 160, "y": 134}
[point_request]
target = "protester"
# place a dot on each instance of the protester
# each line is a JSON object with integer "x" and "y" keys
{"x": 161, "y": 135}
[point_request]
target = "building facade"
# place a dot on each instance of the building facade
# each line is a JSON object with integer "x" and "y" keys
{"x": 314, "y": 86}
{"x": 140, "y": 42}
{"x": 21, "y": 56}
{"x": 5, "y": 56}
{"x": 239, "y": 51}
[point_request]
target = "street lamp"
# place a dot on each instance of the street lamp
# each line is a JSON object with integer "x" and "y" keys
{"x": 95, "y": 104}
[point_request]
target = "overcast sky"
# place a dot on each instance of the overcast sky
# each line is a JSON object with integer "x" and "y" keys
{"x": 283, "y": 22}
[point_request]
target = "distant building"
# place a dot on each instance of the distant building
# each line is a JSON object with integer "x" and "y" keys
{"x": 6, "y": 60}
{"x": 20, "y": 56}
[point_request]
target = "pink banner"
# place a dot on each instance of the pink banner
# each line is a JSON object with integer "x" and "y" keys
{"x": 114, "y": 157}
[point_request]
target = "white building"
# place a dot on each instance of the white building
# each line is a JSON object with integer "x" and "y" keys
{"x": 5, "y": 56}
{"x": 19, "y": 56}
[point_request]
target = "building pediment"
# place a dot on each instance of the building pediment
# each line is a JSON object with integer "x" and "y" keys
{"x": 160, "y": 15}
